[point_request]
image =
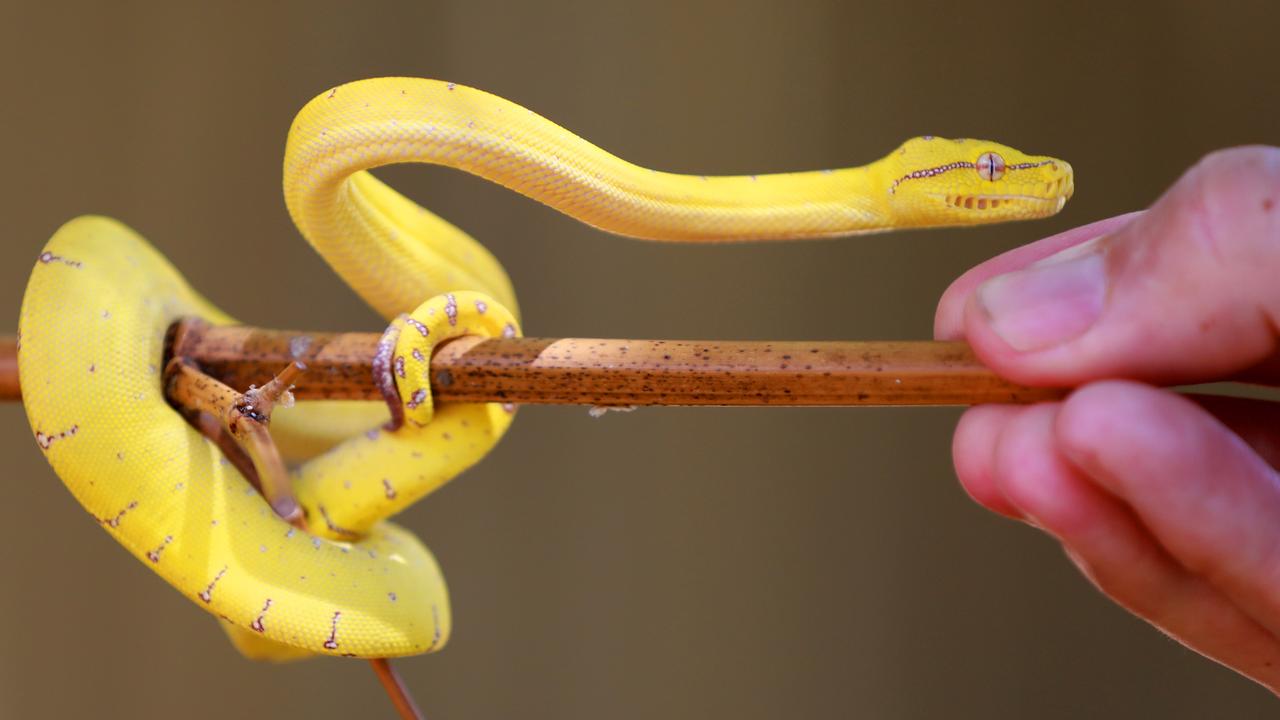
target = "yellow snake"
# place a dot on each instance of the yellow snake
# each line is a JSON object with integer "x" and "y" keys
{"x": 100, "y": 299}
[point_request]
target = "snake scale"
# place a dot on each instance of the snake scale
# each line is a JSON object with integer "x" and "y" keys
{"x": 100, "y": 299}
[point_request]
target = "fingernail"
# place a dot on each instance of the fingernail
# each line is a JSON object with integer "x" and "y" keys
{"x": 1050, "y": 302}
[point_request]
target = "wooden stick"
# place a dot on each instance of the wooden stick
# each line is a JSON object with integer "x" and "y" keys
{"x": 614, "y": 373}
{"x": 396, "y": 690}
{"x": 9, "y": 389}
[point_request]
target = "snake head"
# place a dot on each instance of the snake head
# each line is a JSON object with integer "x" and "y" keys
{"x": 936, "y": 181}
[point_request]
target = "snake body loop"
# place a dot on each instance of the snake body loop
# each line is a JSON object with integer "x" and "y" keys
{"x": 93, "y": 343}
{"x": 100, "y": 301}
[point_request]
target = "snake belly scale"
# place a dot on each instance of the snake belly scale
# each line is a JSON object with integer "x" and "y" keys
{"x": 100, "y": 300}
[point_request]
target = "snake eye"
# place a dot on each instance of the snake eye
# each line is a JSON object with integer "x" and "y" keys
{"x": 990, "y": 166}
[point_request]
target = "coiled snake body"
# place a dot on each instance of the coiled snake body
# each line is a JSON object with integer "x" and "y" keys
{"x": 100, "y": 300}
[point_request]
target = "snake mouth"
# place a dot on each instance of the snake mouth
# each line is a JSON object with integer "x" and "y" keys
{"x": 993, "y": 202}
{"x": 1040, "y": 202}
{"x": 1043, "y": 199}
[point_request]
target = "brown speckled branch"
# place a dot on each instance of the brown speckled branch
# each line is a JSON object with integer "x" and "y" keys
{"x": 9, "y": 389}
{"x": 608, "y": 372}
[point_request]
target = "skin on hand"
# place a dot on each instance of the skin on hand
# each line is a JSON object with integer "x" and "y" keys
{"x": 1169, "y": 504}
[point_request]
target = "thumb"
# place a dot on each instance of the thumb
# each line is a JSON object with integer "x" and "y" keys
{"x": 1188, "y": 291}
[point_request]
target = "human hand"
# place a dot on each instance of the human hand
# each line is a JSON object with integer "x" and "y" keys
{"x": 1169, "y": 504}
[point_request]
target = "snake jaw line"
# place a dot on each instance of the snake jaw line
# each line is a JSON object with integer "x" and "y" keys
{"x": 1033, "y": 206}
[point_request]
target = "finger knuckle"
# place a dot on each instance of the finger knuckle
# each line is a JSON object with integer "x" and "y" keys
{"x": 1235, "y": 203}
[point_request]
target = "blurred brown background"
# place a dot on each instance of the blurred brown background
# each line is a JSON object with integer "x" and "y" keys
{"x": 673, "y": 563}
